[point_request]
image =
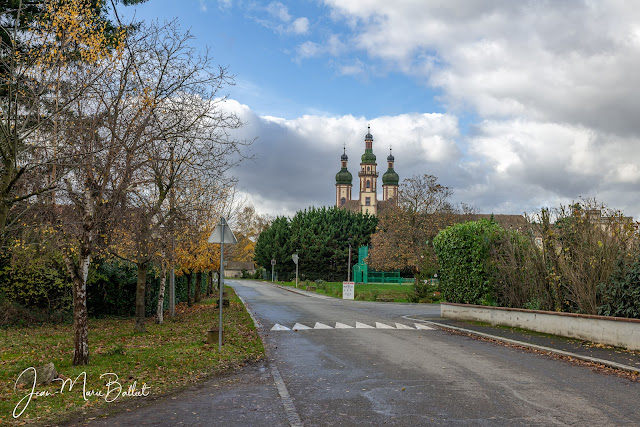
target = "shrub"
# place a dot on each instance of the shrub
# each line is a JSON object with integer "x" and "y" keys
{"x": 518, "y": 273}
{"x": 621, "y": 297}
{"x": 34, "y": 276}
{"x": 463, "y": 253}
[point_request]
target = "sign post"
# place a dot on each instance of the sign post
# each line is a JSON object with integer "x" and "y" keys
{"x": 273, "y": 263}
{"x": 348, "y": 290}
{"x": 295, "y": 259}
{"x": 221, "y": 233}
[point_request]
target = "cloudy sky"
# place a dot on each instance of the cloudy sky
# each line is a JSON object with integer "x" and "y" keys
{"x": 515, "y": 105}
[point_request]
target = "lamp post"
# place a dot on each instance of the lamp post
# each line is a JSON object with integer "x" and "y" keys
{"x": 273, "y": 263}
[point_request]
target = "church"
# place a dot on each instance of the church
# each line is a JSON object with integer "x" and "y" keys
{"x": 367, "y": 202}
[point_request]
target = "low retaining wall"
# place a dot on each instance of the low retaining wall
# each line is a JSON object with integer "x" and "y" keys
{"x": 615, "y": 331}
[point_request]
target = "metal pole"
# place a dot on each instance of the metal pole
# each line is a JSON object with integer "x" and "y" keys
{"x": 349, "y": 270}
{"x": 222, "y": 223}
{"x": 297, "y": 269}
{"x": 272, "y": 272}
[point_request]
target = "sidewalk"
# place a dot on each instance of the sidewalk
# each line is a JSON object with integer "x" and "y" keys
{"x": 583, "y": 349}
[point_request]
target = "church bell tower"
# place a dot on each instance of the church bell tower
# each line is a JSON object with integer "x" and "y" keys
{"x": 368, "y": 177}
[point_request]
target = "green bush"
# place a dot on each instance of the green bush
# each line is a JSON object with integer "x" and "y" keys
{"x": 423, "y": 291}
{"x": 463, "y": 252}
{"x": 621, "y": 297}
{"x": 35, "y": 277}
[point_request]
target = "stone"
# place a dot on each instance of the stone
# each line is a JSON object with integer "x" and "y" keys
{"x": 44, "y": 375}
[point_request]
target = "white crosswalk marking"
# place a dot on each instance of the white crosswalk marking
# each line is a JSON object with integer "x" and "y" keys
{"x": 359, "y": 325}
{"x": 343, "y": 326}
{"x": 300, "y": 327}
{"x": 401, "y": 326}
{"x": 383, "y": 326}
{"x": 321, "y": 326}
{"x": 363, "y": 326}
{"x": 423, "y": 327}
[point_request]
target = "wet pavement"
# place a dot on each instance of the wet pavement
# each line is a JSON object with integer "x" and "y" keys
{"x": 570, "y": 345}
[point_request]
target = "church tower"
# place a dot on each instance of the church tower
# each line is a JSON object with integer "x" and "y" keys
{"x": 390, "y": 181}
{"x": 368, "y": 177}
{"x": 343, "y": 182}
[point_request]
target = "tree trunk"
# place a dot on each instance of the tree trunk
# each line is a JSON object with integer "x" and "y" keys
{"x": 189, "y": 300}
{"x": 210, "y": 283}
{"x": 198, "y": 290}
{"x": 80, "y": 313}
{"x": 163, "y": 282}
{"x": 140, "y": 291}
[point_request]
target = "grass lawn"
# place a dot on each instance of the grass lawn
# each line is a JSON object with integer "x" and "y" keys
{"x": 165, "y": 358}
{"x": 368, "y": 292}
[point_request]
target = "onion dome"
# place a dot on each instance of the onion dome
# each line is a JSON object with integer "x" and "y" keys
{"x": 390, "y": 157}
{"x": 368, "y": 156}
{"x": 390, "y": 177}
{"x": 368, "y": 136}
{"x": 344, "y": 177}
{"x": 344, "y": 156}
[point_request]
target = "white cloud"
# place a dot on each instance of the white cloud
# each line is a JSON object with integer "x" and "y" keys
{"x": 279, "y": 11}
{"x": 553, "y": 89}
{"x": 225, "y": 4}
{"x": 284, "y": 22}
{"x": 300, "y": 26}
{"x": 295, "y": 161}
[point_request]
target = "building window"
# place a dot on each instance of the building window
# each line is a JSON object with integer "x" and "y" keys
{"x": 368, "y": 168}
{"x": 343, "y": 201}
{"x": 368, "y": 184}
{"x": 367, "y": 201}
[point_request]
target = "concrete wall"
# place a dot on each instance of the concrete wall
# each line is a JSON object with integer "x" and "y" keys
{"x": 615, "y": 331}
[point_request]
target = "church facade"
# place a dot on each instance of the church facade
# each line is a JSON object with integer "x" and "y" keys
{"x": 367, "y": 201}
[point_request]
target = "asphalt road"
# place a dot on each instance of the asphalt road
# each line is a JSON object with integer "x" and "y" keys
{"x": 376, "y": 376}
{"x": 362, "y": 373}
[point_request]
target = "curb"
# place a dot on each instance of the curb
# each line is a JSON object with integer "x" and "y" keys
{"x": 606, "y": 363}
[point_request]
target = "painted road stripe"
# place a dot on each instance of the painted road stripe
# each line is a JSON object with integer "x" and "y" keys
{"x": 300, "y": 327}
{"x": 343, "y": 326}
{"x": 383, "y": 326}
{"x": 359, "y": 325}
{"x": 363, "y": 326}
{"x": 424, "y": 327}
{"x": 401, "y": 326}
{"x": 321, "y": 326}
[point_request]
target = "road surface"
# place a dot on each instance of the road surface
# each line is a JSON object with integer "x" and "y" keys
{"x": 368, "y": 363}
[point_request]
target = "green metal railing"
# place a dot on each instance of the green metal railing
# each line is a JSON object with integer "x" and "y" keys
{"x": 363, "y": 274}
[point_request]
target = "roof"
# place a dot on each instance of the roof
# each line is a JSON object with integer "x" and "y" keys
{"x": 390, "y": 177}
{"x": 368, "y": 156}
{"x": 239, "y": 265}
{"x": 344, "y": 177}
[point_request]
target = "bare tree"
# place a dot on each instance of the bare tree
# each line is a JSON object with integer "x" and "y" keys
{"x": 423, "y": 194}
{"x": 189, "y": 147}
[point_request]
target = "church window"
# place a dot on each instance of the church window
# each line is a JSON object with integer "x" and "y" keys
{"x": 368, "y": 168}
{"x": 367, "y": 201}
{"x": 368, "y": 184}
{"x": 343, "y": 201}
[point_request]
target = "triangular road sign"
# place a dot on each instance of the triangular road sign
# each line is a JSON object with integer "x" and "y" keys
{"x": 216, "y": 235}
